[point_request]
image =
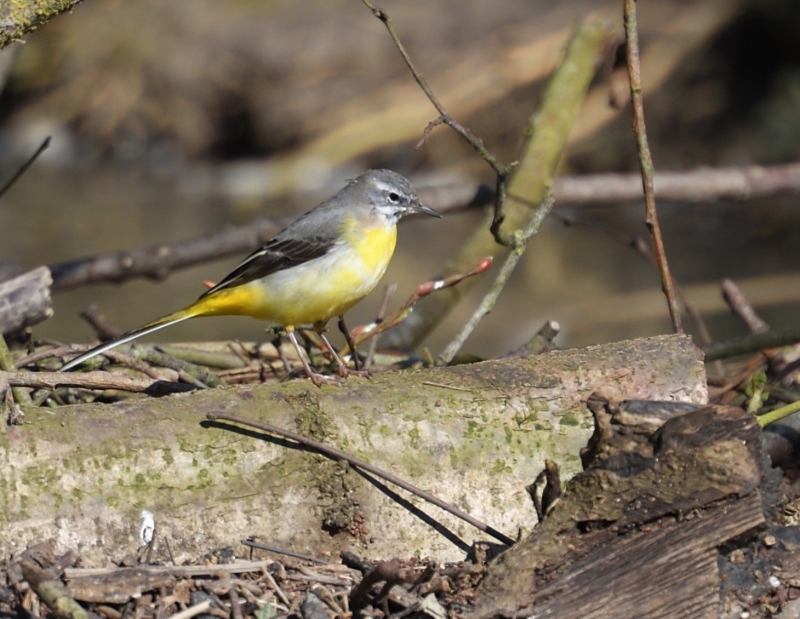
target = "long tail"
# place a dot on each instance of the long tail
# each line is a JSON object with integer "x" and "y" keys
{"x": 161, "y": 323}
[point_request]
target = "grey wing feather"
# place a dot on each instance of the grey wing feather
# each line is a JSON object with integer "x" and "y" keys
{"x": 304, "y": 240}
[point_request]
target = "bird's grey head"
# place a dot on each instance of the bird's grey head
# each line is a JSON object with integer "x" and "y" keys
{"x": 391, "y": 194}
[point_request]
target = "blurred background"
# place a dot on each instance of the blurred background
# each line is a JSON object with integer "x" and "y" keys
{"x": 171, "y": 120}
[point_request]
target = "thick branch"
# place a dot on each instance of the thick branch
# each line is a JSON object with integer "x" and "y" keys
{"x": 158, "y": 261}
{"x": 21, "y": 17}
{"x": 694, "y": 186}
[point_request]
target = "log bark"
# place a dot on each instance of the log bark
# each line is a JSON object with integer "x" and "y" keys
{"x": 19, "y": 18}
{"x": 474, "y": 435}
{"x": 25, "y": 300}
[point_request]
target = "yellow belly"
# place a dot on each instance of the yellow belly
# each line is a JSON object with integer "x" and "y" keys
{"x": 315, "y": 291}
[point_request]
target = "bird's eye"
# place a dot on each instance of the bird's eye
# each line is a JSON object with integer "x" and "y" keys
{"x": 394, "y": 197}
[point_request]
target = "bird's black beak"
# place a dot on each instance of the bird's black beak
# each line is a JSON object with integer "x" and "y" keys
{"x": 421, "y": 208}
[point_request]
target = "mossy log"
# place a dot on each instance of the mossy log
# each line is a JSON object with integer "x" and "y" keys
{"x": 474, "y": 435}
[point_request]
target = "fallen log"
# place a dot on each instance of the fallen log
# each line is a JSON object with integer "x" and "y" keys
{"x": 474, "y": 435}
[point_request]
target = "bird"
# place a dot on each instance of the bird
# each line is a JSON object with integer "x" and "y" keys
{"x": 318, "y": 267}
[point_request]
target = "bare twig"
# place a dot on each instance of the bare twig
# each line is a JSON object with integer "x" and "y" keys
{"x": 353, "y": 461}
{"x": 282, "y": 551}
{"x": 423, "y": 290}
{"x": 192, "y": 611}
{"x": 640, "y": 246}
{"x": 24, "y": 168}
{"x": 521, "y": 238}
{"x": 184, "y": 571}
{"x": 373, "y": 345}
{"x": 85, "y": 380}
{"x": 158, "y": 261}
{"x": 751, "y": 343}
{"x": 501, "y": 171}
{"x": 742, "y": 307}
{"x": 548, "y": 128}
{"x": 646, "y": 160}
{"x": 101, "y": 325}
{"x": 444, "y": 117}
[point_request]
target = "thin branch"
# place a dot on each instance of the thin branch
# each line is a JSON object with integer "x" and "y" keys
{"x": 158, "y": 261}
{"x": 646, "y": 160}
{"x": 735, "y": 298}
{"x": 42, "y": 147}
{"x": 502, "y": 171}
{"x": 472, "y": 140}
{"x": 423, "y": 290}
{"x": 85, "y": 380}
{"x": 357, "y": 462}
{"x": 751, "y": 343}
{"x": 521, "y": 238}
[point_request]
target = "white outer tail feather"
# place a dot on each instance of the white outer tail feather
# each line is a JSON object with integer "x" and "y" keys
{"x": 123, "y": 339}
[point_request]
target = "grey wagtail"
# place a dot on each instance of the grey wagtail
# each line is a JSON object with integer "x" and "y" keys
{"x": 317, "y": 268}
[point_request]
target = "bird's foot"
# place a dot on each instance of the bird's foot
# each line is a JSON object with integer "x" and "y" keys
{"x": 321, "y": 379}
{"x": 346, "y": 372}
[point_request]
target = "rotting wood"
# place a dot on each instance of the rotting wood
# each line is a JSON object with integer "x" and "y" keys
{"x": 637, "y": 531}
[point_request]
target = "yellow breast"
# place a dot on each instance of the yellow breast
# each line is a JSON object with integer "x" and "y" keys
{"x": 320, "y": 289}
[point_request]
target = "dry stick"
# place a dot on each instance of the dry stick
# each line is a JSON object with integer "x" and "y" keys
{"x": 353, "y": 461}
{"x": 423, "y": 290}
{"x": 181, "y": 571}
{"x": 373, "y": 345}
{"x": 24, "y": 168}
{"x": 85, "y": 380}
{"x": 444, "y": 117}
{"x": 646, "y": 160}
{"x": 502, "y": 171}
{"x": 282, "y": 551}
{"x": 192, "y": 610}
{"x": 521, "y": 238}
{"x": 742, "y": 307}
{"x": 158, "y": 261}
{"x": 703, "y": 185}
{"x": 754, "y": 342}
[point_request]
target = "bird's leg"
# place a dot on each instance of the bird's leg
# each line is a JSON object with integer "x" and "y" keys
{"x": 278, "y": 344}
{"x": 316, "y": 378}
{"x": 344, "y": 371}
{"x": 349, "y": 339}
